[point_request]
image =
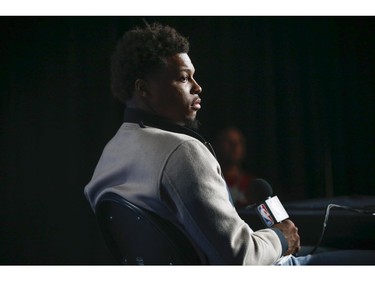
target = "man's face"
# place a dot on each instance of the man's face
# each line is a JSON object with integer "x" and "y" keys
{"x": 174, "y": 94}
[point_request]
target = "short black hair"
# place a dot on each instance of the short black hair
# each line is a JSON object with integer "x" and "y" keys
{"x": 142, "y": 51}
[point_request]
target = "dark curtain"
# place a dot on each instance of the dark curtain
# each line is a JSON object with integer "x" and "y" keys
{"x": 300, "y": 88}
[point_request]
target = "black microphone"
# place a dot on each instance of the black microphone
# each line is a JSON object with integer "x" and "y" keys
{"x": 269, "y": 208}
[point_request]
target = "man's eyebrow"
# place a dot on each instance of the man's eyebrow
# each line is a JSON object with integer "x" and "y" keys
{"x": 187, "y": 69}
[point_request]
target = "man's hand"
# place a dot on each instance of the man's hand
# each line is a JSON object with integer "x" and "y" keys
{"x": 290, "y": 232}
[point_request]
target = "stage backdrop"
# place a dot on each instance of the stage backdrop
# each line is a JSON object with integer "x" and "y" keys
{"x": 301, "y": 89}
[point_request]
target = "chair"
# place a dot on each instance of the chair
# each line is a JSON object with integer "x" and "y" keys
{"x": 138, "y": 237}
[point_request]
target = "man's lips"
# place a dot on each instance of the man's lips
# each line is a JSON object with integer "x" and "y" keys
{"x": 196, "y": 104}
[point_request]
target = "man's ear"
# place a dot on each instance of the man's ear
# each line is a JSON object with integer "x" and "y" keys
{"x": 141, "y": 88}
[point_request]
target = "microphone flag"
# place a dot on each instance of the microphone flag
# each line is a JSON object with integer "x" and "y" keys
{"x": 271, "y": 211}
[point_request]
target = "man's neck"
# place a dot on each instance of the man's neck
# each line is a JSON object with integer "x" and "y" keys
{"x": 133, "y": 104}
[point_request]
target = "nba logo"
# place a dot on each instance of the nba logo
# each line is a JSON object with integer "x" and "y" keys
{"x": 268, "y": 220}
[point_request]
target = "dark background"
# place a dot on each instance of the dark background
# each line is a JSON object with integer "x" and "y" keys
{"x": 300, "y": 88}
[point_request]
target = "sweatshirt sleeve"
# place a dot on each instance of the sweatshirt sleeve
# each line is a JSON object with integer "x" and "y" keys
{"x": 193, "y": 189}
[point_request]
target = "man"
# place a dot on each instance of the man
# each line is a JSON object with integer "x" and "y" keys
{"x": 156, "y": 160}
{"x": 230, "y": 147}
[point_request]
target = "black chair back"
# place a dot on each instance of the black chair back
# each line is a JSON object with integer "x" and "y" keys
{"x": 138, "y": 237}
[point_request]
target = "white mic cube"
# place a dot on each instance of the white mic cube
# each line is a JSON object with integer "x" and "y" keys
{"x": 272, "y": 211}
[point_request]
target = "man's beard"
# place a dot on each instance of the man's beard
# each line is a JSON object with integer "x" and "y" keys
{"x": 192, "y": 124}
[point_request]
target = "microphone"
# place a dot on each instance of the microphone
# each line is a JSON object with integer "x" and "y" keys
{"x": 269, "y": 208}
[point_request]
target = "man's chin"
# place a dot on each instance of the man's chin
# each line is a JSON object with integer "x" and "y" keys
{"x": 192, "y": 124}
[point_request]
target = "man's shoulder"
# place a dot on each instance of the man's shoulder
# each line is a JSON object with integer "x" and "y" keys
{"x": 132, "y": 136}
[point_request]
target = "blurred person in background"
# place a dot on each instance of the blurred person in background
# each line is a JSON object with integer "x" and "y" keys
{"x": 230, "y": 147}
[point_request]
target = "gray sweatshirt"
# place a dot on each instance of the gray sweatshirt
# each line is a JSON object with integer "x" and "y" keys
{"x": 177, "y": 177}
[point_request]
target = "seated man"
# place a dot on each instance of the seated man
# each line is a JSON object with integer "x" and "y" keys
{"x": 158, "y": 162}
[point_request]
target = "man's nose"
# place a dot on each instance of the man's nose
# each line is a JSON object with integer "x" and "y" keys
{"x": 196, "y": 89}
